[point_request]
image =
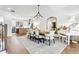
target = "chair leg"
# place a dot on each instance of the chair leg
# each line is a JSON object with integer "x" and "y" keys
{"x": 54, "y": 41}
{"x": 43, "y": 40}
{"x": 49, "y": 42}
{"x": 38, "y": 40}
{"x": 61, "y": 39}
{"x": 30, "y": 37}
{"x": 65, "y": 39}
{"x": 35, "y": 39}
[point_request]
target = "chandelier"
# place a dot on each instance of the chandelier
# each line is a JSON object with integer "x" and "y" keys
{"x": 38, "y": 13}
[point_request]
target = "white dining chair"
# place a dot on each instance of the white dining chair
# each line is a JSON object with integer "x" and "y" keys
{"x": 64, "y": 38}
{"x": 32, "y": 35}
{"x": 50, "y": 37}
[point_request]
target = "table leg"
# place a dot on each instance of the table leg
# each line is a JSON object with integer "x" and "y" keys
{"x": 68, "y": 39}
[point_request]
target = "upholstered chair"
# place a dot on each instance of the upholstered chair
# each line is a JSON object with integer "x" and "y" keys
{"x": 49, "y": 37}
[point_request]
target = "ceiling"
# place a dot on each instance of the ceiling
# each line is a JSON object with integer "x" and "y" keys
{"x": 45, "y": 9}
{"x": 60, "y": 11}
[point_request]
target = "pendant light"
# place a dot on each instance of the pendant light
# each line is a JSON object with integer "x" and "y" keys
{"x": 38, "y": 13}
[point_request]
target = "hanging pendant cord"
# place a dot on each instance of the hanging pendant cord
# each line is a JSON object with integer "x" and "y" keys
{"x": 38, "y": 8}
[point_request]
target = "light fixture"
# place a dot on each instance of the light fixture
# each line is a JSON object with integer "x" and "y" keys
{"x": 11, "y": 10}
{"x": 10, "y": 13}
{"x": 38, "y": 13}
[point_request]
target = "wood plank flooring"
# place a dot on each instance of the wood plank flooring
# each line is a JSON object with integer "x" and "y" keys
{"x": 15, "y": 47}
{"x": 72, "y": 49}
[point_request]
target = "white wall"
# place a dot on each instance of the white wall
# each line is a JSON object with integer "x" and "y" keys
{"x": 1, "y": 19}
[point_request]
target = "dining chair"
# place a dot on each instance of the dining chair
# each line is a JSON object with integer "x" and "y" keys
{"x": 64, "y": 38}
{"x": 50, "y": 37}
{"x": 32, "y": 35}
{"x": 37, "y": 36}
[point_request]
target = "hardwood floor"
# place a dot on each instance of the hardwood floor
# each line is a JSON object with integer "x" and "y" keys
{"x": 72, "y": 49}
{"x": 15, "y": 47}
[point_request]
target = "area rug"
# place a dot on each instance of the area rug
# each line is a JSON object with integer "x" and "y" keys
{"x": 42, "y": 48}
